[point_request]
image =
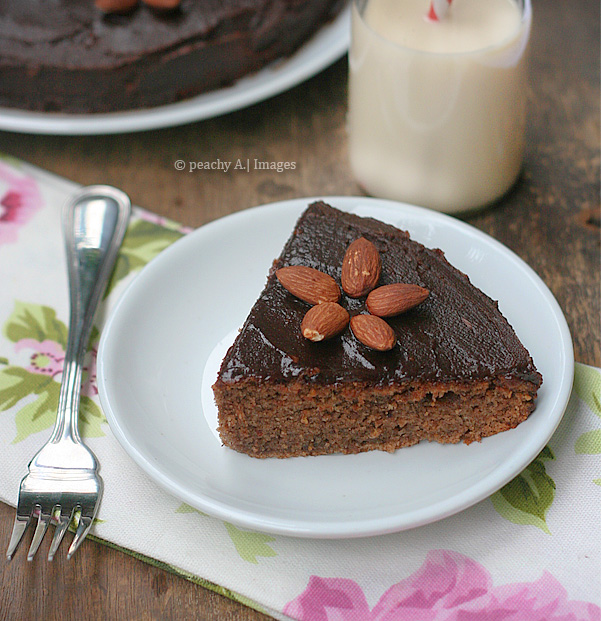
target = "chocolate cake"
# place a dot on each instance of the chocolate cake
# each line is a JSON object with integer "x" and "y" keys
{"x": 69, "y": 56}
{"x": 456, "y": 373}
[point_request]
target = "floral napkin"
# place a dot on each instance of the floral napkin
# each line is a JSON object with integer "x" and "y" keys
{"x": 529, "y": 552}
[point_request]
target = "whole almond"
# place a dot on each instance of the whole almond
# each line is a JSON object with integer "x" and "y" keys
{"x": 308, "y": 284}
{"x": 361, "y": 268}
{"x": 373, "y": 332}
{"x": 324, "y": 321}
{"x": 390, "y": 300}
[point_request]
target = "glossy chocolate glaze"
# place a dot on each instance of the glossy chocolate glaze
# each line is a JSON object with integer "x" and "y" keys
{"x": 66, "y": 55}
{"x": 457, "y": 334}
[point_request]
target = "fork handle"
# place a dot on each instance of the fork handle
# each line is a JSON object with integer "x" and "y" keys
{"x": 94, "y": 223}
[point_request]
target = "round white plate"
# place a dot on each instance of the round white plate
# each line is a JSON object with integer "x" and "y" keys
{"x": 328, "y": 45}
{"x": 162, "y": 344}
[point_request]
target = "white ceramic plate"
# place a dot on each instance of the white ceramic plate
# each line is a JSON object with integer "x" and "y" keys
{"x": 162, "y": 345}
{"x": 328, "y": 45}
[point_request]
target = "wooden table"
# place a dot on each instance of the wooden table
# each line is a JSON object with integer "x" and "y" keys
{"x": 551, "y": 219}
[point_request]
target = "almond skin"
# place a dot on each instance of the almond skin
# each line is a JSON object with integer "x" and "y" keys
{"x": 373, "y": 332}
{"x": 390, "y": 300}
{"x": 165, "y": 5}
{"x": 324, "y": 321}
{"x": 116, "y": 6}
{"x": 361, "y": 268}
{"x": 308, "y": 284}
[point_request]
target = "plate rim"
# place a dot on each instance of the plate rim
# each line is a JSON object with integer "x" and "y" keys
{"x": 277, "y": 77}
{"x": 371, "y": 526}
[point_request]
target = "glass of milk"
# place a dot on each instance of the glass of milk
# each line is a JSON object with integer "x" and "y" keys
{"x": 437, "y": 109}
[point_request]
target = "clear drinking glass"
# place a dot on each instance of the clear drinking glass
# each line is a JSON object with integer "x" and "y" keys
{"x": 429, "y": 122}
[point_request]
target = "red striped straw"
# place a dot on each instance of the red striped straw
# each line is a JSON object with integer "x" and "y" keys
{"x": 438, "y": 9}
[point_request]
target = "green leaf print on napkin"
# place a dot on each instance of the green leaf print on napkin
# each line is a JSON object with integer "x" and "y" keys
{"x": 32, "y": 321}
{"x": 249, "y": 544}
{"x": 527, "y": 498}
{"x": 9, "y": 159}
{"x": 36, "y": 330}
{"x": 143, "y": 241}
{"x": 587, "y": 385}
{"x": 185, "y": 508}
{"x": 589, "y": 443}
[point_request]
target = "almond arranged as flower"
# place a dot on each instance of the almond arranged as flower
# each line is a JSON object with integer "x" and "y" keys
{"x": 361, "y": 268}
{"x": 373, "y": 332}
{"x": 324, "y": 321}
{"x": 308, "y": 284}
{"x": 390, "y": 300}
{"x": 360, "y": 273}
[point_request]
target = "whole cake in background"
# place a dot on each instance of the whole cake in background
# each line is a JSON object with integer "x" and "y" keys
{"x": 72, "y": 56}
{"x": 365, "y": 339}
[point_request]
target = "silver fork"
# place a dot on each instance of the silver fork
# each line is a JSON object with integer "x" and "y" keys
{"x": 63, "y": 481}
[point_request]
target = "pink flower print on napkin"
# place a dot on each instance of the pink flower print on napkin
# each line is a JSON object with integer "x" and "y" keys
{"x": 47, "y": 357}
{"x": 30, "y": 382}
{"x": 447, "y": 587}
{"x": 20, "y": 198}
{"x": 329, "y": 599}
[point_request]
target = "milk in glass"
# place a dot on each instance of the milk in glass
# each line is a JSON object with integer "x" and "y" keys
{"x": 437, "y": 109}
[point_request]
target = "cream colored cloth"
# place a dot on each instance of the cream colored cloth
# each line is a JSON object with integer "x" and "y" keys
{"x": 531, "y": 551}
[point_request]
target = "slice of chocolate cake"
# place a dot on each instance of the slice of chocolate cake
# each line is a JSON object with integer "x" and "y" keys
{"x": 455, "y": 372}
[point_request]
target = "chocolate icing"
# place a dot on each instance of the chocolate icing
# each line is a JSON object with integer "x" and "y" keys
{"x": 67, "y": 55}
{"x": 457, "y": 334}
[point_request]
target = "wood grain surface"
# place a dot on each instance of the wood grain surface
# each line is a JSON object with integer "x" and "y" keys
{"x": 551, "y": 219}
